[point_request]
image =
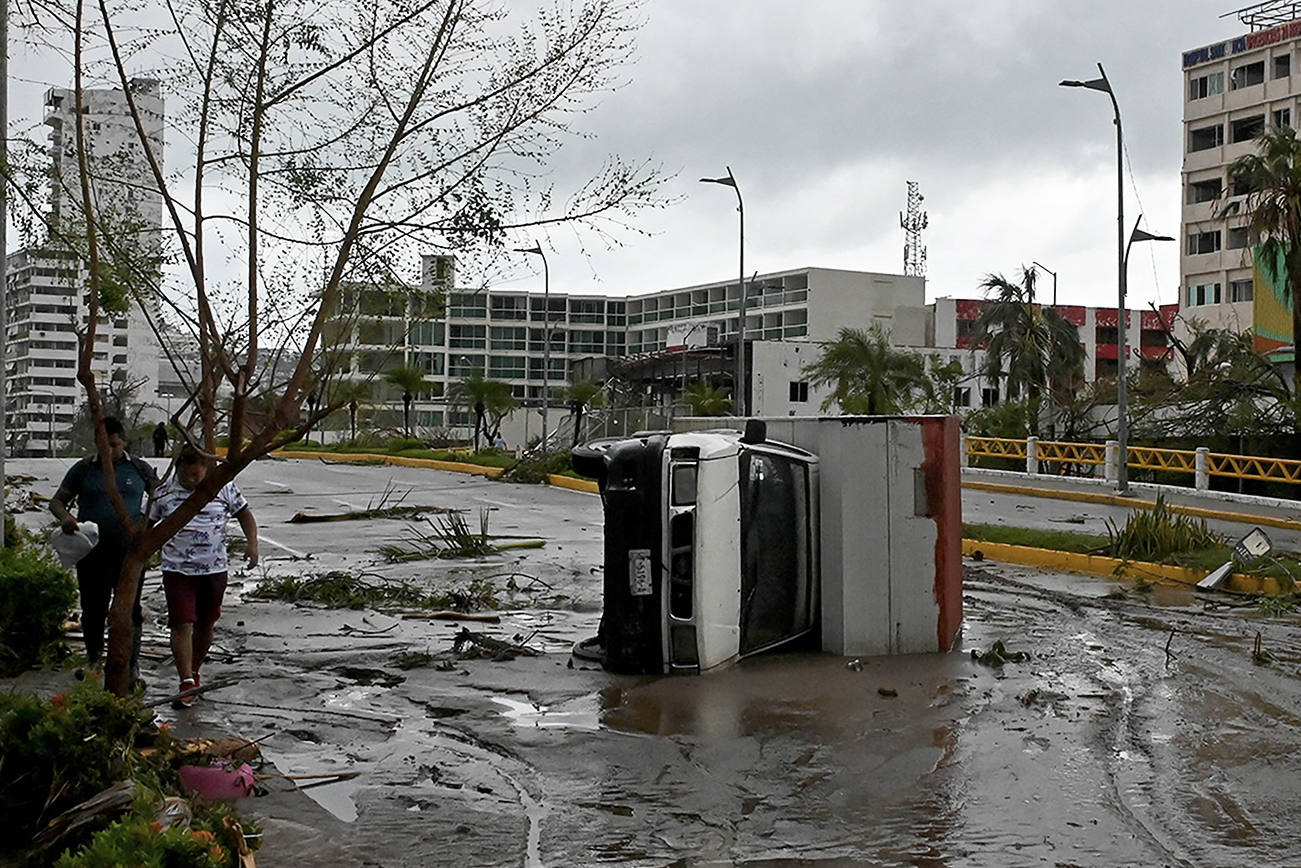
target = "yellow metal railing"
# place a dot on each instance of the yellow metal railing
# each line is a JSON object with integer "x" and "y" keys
{"x": 1141, "y": 457}
{"x": 1071, "y": 453}
{"x": 996, "y": 447}
{"x": 1253, "y": 467}
{"x": 1152, "y": 458}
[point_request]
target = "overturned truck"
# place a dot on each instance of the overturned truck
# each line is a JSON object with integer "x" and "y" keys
{"x": 842, "y": 533}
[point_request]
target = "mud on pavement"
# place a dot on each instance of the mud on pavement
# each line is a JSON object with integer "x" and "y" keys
{"x": 1139, "y": 729}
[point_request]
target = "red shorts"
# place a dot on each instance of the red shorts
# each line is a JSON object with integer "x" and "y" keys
{"x": 193, "y": 599}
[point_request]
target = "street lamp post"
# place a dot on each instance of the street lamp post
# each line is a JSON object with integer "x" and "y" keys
{"x": 1122, "y": 398}
{"x": 1054, "y": 276}
{"x": 730, "y": 181}
{"x": 546, "y": 335}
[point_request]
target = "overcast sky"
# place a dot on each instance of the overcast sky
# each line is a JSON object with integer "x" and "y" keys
{"x": 824, "y": 109}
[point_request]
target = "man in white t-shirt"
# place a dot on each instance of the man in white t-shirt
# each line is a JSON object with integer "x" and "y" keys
{"x": 194, "y": 563}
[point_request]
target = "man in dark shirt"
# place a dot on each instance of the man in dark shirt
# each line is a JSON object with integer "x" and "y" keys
{"x": 98, "y": 571}
{"x": 160, "y": 440}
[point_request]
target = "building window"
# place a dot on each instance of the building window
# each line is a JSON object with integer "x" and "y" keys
{"x": 506, "y": 367}
{"x": 988, "y": 397}
{"x": 962, "y": 396}
{"x": 507, "y": 337}
{"x": 584, "y": 341}
{"x": 1236, "y": 238}
{"x": 1203, "y": 242}
{"x": 1203, "y": 293}
{"x": 1282, "y": 118}
{"x": 1204, "y": 191}
{"x": 1247, "y": 75}
{"x": 1206, "y": 138}
{"x": 1206, "y": 85}
{"x": 508, "y": 306}
{"x": 1240, "y": 186}
{"x": 1246, "y": 129}
{"x": 427, "y": 334}
{"x": 799, "y": 393}
{"x": 467, "y": 305}
{"x": 1241, "y": 290}
{"x": 1282, "y": 65}
{"x": 465, "y": 337}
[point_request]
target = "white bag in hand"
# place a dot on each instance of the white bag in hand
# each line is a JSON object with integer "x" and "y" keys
{"x": 72, "y": 547}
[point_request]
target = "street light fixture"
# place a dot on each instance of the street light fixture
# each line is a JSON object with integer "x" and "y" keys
{"x": 1122, "y": 397}
{"x": 730, "y": 181}
{"x": 1054, "y": 275}
{"x": 546, "y": 335}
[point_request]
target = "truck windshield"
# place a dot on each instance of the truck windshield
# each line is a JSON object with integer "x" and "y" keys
{"x": 776, "y": 602}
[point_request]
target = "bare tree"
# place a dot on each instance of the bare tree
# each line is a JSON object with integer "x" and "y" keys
{"x": 317, "y": 146}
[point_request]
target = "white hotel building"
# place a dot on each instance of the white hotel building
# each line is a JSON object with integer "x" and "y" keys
{"x": 46, "y": 290}
{"x": 651, "y": 345}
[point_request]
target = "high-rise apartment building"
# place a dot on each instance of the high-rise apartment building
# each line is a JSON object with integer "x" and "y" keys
{"x": 1233, "y": 91}
{"x": 46, "y": 288}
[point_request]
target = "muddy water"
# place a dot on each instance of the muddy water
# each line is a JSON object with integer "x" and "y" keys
{"x": 1140, "y": 731}
{"x": 1100, "y": 750}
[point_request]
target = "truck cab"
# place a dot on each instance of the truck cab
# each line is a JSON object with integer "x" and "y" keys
{"x": 711, "y": 547}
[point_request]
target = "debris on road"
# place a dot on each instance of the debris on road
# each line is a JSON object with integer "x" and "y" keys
{"x": 998, "y": 654}
{"x": 480, "y": 646}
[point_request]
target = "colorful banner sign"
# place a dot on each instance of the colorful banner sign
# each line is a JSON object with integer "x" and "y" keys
{"x": 1271, "y": 304}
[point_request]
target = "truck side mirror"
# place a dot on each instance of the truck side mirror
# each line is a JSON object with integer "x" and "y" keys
{"x": 756, "y": 431}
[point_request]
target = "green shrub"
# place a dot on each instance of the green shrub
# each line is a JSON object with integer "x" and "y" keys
{"x": 35, "y": 597}
{"x": 60, "y": 752}
{"x": 1159, "y": 533}
{"x": 536, "y": 469}
{"x": 397, "y": 444}
{"x": 210, "y": 841}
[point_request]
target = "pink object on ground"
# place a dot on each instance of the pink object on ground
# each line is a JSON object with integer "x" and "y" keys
{"x": 218, "y": 782}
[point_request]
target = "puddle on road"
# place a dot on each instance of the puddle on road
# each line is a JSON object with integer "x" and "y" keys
{"x": 581, "y": 713}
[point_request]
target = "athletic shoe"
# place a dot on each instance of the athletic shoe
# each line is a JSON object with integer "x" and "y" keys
{"x": 198, "y": 682}
{"x": 185, "y": 701}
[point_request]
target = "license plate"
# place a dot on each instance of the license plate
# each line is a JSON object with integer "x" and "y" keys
{"x": 639, "y": 573}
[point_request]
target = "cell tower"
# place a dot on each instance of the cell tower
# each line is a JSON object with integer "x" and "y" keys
{"x": 914, "y": 252}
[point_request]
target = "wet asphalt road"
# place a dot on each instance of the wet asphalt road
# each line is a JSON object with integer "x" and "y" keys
{"x": 1139, "y": 731}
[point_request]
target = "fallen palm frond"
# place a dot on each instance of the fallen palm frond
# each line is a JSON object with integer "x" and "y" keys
{"x": 341, "y": 590}
{"x": 359, "y": 514}
{"x": 451, "y": 537}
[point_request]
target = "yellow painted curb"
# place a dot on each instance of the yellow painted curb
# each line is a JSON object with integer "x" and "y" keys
{"x": 1114, "y": 567}
{"x": 587, "y": 485}
{"x": 397, "y": 460}
{"x": 1134, "y": 503}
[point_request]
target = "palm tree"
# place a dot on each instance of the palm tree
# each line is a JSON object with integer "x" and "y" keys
{"x": 410, "y": 380}
{"x": 1272, "y": 177}
{"x": 350, "y": 394}
{"x": 498, "y": 404}
{"x": 1032, "y": 347}
{"x": 867, "y": 375}
{"x": 579, "y": 396}
{"x": 705, "y": 399}
{"x": 487, "y": 398}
